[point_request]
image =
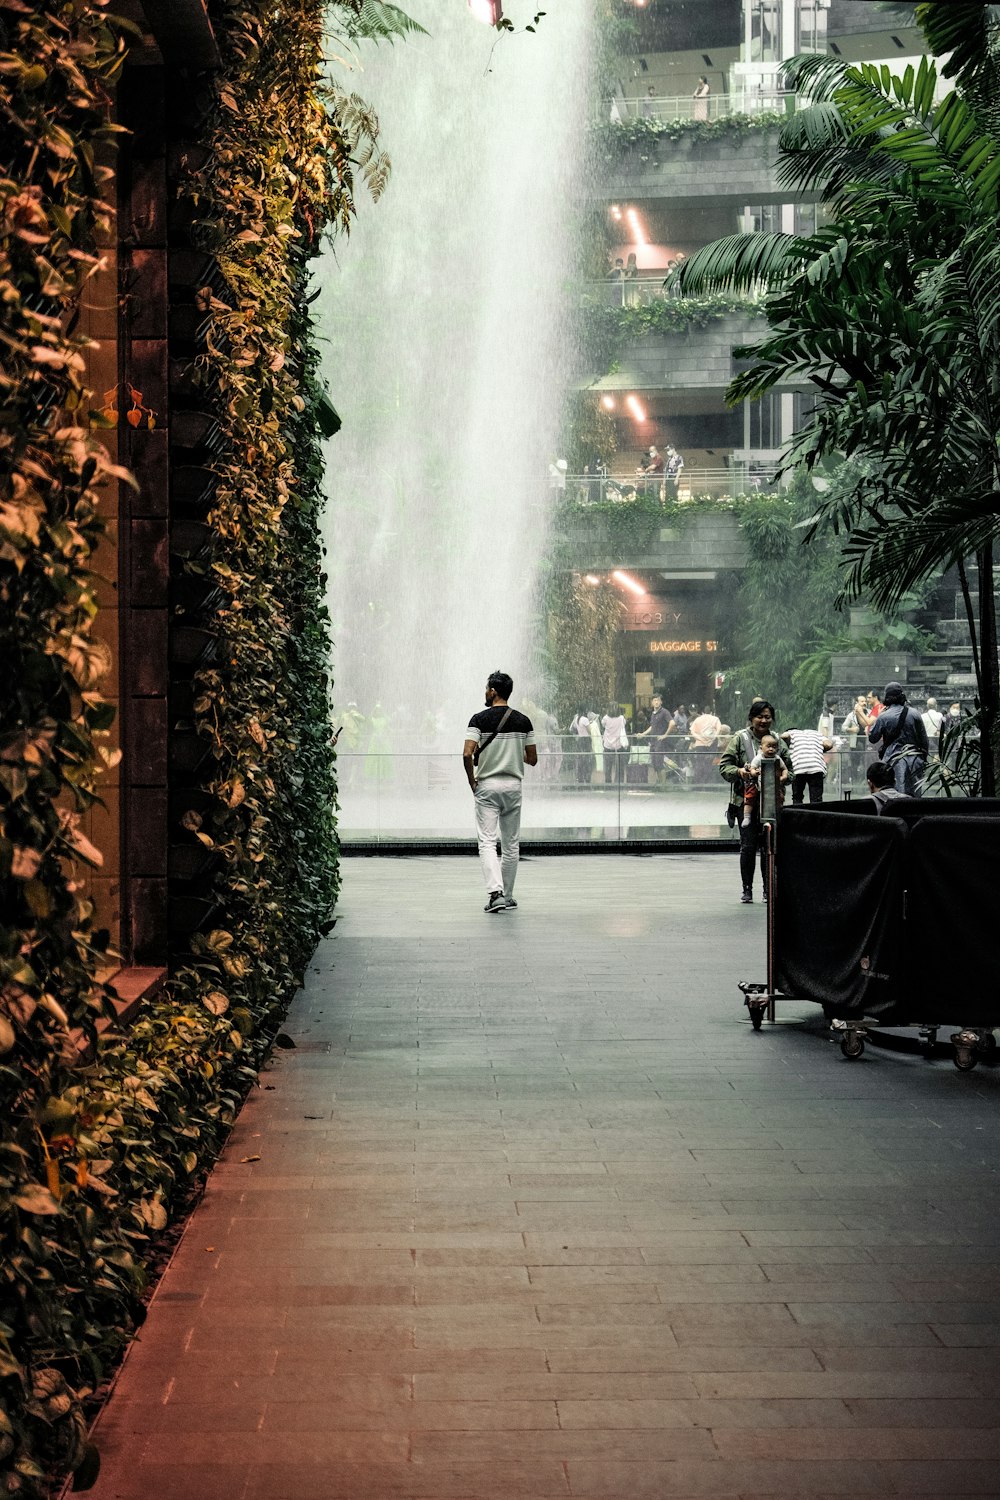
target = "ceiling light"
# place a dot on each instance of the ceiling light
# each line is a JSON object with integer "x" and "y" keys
{"x": 591, "y": 577}
{"x": 636, "y": 407}
{"x": 635, "y": 224}
{"x": 608, "y": 402}
{"x": 490, "y": 12}
{"x": 627, "y": 581}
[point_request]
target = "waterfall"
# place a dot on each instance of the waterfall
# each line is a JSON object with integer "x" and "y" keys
{"x": 447, "y": 319}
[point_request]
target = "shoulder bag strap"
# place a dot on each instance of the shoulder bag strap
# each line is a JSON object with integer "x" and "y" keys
{"x": 490, "y": 738}
{"x": 891, "y": 738}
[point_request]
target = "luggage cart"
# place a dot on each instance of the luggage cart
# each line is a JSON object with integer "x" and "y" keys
{"x": 971, "y": 1044}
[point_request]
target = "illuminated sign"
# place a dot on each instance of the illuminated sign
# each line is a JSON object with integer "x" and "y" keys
{"x": 659, "y": 616}
{"x": 682, "y": 648}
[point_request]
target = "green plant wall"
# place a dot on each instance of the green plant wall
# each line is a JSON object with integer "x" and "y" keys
{"x": 96, "y": 1157}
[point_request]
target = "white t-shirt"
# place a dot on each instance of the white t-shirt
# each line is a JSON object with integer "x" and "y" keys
{"x": 806, "y": 746}
{"x": 614, "y": 731}
{"x": 933, "y": 719}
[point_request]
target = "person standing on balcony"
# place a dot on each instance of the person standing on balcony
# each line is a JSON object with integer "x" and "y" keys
{"x": 631, "y": 289}
{"x": 675, "y": 468}
{"x": 652, "y": 471}
{"x": 699, "y": 110}
{"x": 499, "y": 743}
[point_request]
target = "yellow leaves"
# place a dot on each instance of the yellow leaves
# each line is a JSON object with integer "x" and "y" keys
{"x": 21, "y": 522}
{"x": 8, "y": 1036}
{"x": 216, "y": 1002}
{"x": 57, "y": 358}
{"x": 52, "y": 1178}
{"x": 25, "y": 863}
{"x": 51, "y": 1004}
{"x": 80, "y": 847}
{"x": 153, "y": 1213}
{"x": 35, "y": 1199}
{"x": 88, "y": 659}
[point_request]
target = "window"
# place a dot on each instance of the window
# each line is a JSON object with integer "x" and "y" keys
{"x": 765, "y": 421}
{"x": 803, "y": 410}
{"x": 811, "y": 26}
{"x": 761, "y": 218}
{"x": 765, "y": 30}
{"x": 809, "y": 217}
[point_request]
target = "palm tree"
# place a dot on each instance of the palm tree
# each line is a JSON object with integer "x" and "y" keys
{"x": 891, "y": 313}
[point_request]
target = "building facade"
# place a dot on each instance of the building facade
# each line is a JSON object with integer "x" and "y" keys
{"x": 686, "y": 134}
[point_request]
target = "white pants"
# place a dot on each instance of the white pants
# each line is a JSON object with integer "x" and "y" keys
{"x": 498, "y": 804}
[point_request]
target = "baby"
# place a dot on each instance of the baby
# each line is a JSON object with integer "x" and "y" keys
{"x": 766, "y": 755}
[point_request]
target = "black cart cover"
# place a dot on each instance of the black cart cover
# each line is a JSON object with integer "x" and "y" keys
{"x": 952, "y": 958}
{"x": 891, "y": 916}
{"x": 838, "y": 913}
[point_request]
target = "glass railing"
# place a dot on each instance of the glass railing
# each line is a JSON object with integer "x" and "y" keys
{"x": 717, "y": 106}
{"x": 571, "y": 796}
{"x": 619, "y": 489}
{"x": 631, "y": 291}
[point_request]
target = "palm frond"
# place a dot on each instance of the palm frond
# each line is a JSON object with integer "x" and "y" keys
{"x": 965, "y": 33}
{"x": 377, "y": 21}
{"x": 739, "y": 263}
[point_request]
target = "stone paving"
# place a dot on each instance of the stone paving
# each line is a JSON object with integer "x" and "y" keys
{"x": 531, "y": 1211}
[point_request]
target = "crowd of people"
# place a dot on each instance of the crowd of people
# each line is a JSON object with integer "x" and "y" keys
{"x": 898, "y": 741}
{"x": 682, "y": 746}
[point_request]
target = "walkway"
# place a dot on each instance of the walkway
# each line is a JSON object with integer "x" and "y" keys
{"x": 532, "y": 1212}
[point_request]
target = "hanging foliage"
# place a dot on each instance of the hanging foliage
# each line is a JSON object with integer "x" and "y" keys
{"x": 58, "y": 66}
{"x": 583, "y": 622}
{"x": 95, "y": 1158}
{"x": 616, "y": 140}
{"x": 606, "y": 331}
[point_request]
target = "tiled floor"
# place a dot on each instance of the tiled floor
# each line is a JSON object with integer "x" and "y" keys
{"x": 537, "y": 1214}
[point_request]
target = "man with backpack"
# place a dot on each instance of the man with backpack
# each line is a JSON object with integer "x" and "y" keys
{"x": 499, "y": 743}
{"x": 901, "y": 737}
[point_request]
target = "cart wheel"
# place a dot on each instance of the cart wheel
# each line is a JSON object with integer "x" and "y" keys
{"x": 756, "y": 1016}
{"x": 965, "y": 1059}
{"x": 852, "y": 1045}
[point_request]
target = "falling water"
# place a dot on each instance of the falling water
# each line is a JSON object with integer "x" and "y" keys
{"x": 448, "y": 323}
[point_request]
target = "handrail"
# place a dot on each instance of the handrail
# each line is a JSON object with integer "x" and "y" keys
{"x": 740, "y": 478}
{"x": 666, "y": 107}
{"x": 644, "y": 290}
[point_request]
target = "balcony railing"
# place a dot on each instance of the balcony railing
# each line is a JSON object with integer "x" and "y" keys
{"x": 739, "y": 478}
{"x": 668, "y": 107}
{"x": 626, "y": 291}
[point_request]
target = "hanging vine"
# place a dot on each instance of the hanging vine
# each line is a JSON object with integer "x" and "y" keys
{"x": 95, "y": 1157}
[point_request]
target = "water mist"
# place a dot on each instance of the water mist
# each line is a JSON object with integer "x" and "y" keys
{"x": 448, "y": 323}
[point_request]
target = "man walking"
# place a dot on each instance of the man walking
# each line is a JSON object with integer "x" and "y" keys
{"x": 499, "y": 743}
